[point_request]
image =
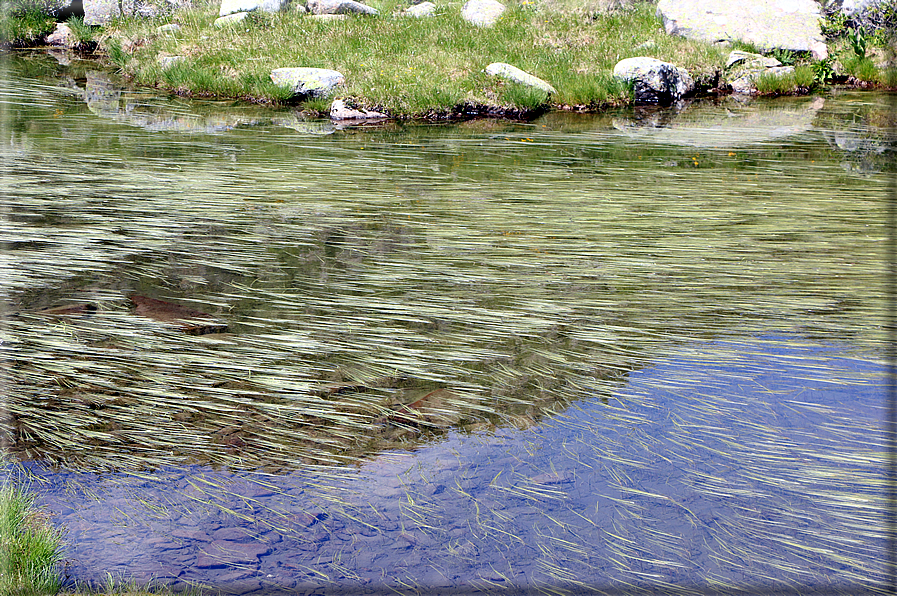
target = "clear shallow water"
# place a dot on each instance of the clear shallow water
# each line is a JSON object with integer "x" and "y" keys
{"x": 656, "y": 339}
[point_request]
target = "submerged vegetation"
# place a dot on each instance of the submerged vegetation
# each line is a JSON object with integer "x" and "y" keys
{"x": 652, "y": 331}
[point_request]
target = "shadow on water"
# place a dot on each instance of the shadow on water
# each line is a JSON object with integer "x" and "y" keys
{"x": 635, "y": 350}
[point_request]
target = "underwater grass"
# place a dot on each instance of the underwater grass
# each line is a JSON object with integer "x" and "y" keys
{"x": 30, "y": 547}
{"x": 514, "y": 273}
{"x": 408, "y": 66}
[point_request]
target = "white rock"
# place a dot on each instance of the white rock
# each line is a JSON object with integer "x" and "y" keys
{"x": 737, "y": 56}
{"x": 167, "y": 62}
{"x": 424, "y": 9}
{"x": 340, "y": 7}
{"x": 340, "y": 111}
{"x": 169, "y": 28}
{"x": 767, "y": 24}
{"x": 482, "y": 13}
{"x": 230, "y": 19}
{"x": 100, "y": 12}
{"x": 234, "y": 6}
{"x": 312, "y": 82}
{"x": 62, "y": 36}
{"x": 512, "y": 73}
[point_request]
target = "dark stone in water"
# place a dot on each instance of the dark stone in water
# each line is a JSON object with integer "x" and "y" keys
{"x": 69, "y": 310}
{"x": 225, "y": 553}
{"x": 191, "y": 534}
{"x": 236, "y": 534}
{"x": 187, "y": 319}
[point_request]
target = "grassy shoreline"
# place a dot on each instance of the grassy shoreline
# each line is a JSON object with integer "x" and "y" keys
{"x": 434, "y": 67}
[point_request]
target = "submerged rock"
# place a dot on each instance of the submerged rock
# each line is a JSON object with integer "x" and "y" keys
{"x": 78, "y": 310}
{"x": 192, "y": 321}
{"x": 309, "y": 82}
{"x": 767, "y": 24}
{"x": 512, "y": 73}
{"x": 340, "y": 7}
{"x": 482, "y": 13}
{"x": 655, "y": 81}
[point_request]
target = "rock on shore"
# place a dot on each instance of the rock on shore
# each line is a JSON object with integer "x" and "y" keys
{"x": 482, "y": 13}
{"x": 340, "y": 7}
{"x": 767, "y": 24}
{"x": 307, "y": 82}
{"x": 655, "y": 81}
{"x": 512, "y": 73}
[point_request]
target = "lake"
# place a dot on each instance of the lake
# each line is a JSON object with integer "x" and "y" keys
{"x": 640, "y": 351}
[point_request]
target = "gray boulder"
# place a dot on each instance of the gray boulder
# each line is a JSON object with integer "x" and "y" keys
{"x": 340, "y": 7}
{"x": 308, "y": 82}
{"x": 767, "y": 24}
{"x": 512, "y": 73}
{"x": 482, "y": 13}
{"x": 655, "y": 81}
{"x": 867, "y": 14}
{"x": 744, "y": 69}
{"x": 235, "y": 6}
{"x": 100, "y": 12}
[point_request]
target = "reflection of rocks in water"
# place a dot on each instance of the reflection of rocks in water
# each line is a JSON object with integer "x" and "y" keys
{"x": 730, "y": 123}
{"x": 862, "y": 149}
{"x": 866, "y": 141}
{"x": 101, "y": 95}
{"x": 108, "y": 100}
{"x": 309, "y": 127}
{"x": 651, "y": 116}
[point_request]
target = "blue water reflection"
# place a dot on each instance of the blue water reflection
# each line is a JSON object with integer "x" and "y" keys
{"x": 728, "y": 465}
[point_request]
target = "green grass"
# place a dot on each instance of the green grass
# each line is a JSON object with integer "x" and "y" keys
{"x": 24, "y": 22}
{"x": 113, "y": 586}
{"x": 803, "y": 78}
{"x": 30, "y": 548}
{"x": 83, "y": 33}
{"x": 408, "y": 66}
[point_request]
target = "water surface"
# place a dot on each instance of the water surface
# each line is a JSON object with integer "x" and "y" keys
{"x": 642, "y": 350}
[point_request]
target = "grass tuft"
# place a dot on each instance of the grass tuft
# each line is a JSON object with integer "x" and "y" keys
{"x": 30, "y": 548}
{"x": 83, "y": 33}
